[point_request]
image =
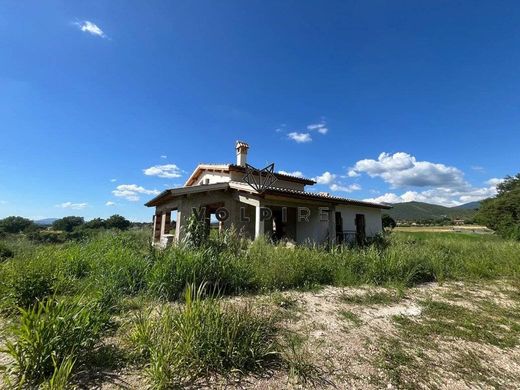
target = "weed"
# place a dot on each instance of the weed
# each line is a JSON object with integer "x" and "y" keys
{"x": 396, "y": 361}
{"x": 351, "y": 317}
{"x": 201, "y": 337}
{"x": 50, "y": 336}
{"x": 453, "y": 321}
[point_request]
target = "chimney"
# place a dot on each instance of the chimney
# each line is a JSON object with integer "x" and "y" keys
{"x": 242, "y": 149}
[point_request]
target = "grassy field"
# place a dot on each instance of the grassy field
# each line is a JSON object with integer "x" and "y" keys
{"x": 112, "y": 310}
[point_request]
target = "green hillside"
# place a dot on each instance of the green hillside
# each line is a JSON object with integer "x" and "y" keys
{"x": 418, "y": 211}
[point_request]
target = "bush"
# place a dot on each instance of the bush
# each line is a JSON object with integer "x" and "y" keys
{"x": 28, "y": 283}
{"x": 5, "y": 252}
{"x": 200, "y": 338}
{"x": 51, "y": 335}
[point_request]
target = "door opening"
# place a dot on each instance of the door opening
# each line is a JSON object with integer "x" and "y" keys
{"x": 360, "y": 229}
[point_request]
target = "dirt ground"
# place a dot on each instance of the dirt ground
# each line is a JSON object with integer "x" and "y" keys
{"x": 450, "y": 336}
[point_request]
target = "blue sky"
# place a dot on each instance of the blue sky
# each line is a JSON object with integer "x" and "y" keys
{"x": 381, "y": 100}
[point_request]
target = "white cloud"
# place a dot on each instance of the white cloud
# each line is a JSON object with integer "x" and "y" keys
{"x": 91, "y": 28}
{"x": 300, "y": 137}
{"x": 443, "y": 196}
{"x": 167, "y": 171}
{"x": 494, "y": 181}
{"x": 295, "y": 173}
{"x": 110, "y": 203}
{"x": 164, "y": 156}
{"x": 72, "y": 206}
{"x": 352, "y": 173}
{"x": 319, "y": 127}
{"x": 331, "y": 180}
{"x": 402, "y": 170}
{"x": 113, "y": 180}
{"x": 326, "y": 178}
{"x": 345, "y": 188}
{"x": 132, "y": 192}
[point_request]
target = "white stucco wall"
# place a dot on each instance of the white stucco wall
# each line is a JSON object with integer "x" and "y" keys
{"x": 214, "y": 177}
{"x": 373, "y": 223}
{"x": 314, "y": 231}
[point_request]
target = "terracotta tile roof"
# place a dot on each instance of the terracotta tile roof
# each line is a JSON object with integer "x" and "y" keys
{"x": 311, "y": 195}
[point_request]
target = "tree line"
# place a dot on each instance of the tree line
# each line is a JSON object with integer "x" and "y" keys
{"x": 70, "y": 227}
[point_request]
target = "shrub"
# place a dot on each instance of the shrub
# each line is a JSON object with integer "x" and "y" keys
{"x": 200, "y": 338}
{"x": 51, "y": 335}
{"x": 5, "y": 252}
{"x": 28, "y": 284}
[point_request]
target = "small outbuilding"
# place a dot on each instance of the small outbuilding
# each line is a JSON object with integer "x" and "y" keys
{"x": 262, "y": 203}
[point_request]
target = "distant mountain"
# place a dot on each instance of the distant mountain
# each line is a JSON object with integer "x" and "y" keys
{"x": 417, "y": 211}
{"x": 45, "y": 222}
{"x": 468, "y": 206}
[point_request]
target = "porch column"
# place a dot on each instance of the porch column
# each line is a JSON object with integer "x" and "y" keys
{"x": 156, "y": 227}
{"x": 259, "y": 224}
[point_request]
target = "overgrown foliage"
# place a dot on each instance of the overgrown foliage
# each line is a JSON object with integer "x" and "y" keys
{"x": 15, "y": 224}
{"x": 51, "y": 337}
{"x": 502, "y": 213}
{"x": 200, "y": 338}
{"x": 85, "y": 282}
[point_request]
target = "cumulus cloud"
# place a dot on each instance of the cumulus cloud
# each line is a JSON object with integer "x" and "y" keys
{"x": 326, "y": 178}
{"x": 295, "y": 173}
{"x": 331, "y": 180}
{"x": 167, "y": 171}
{"x": 403, "y": 170}
{"x": 345, "y": 188}
{"x": 72, "y": 206}
{"x": 494, "y": 181}
{"x": 110, "y": 203}
{"x": 132, "y": 192}
{"x": 299, "y": 137}
{"x": 91, "y": 28}
{"x": 319, "y": 127}
{"x": 443, "y": 196}
{"x": 164, "y": 156}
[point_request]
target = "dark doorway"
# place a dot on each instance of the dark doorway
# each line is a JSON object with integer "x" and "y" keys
{"x": 360, "y": 229}
{"x": 278, "y": 225}
{"x": 339, "y": 227}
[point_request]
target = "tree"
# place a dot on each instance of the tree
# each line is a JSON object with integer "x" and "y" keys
{"x": 15, "y": 224}
{"x": 67, "y": 224}
{"x": 502, "y": 213}
{"x": 96, "y": 223}
{"x": 388, "y": 222}
{"x": 117, "y": 222}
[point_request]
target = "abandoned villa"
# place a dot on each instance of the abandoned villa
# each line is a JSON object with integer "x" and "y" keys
{"x": 262, "y": 203}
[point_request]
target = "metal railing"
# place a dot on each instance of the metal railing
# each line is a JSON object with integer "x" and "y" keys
{"x": 346, "y": 237}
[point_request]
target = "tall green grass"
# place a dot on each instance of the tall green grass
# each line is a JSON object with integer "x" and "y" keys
{"x": 124, "y": 264}
{"x": 64, "y": 294}
{"x": 51, "y": 336}
{"x": 199, "y": 338}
